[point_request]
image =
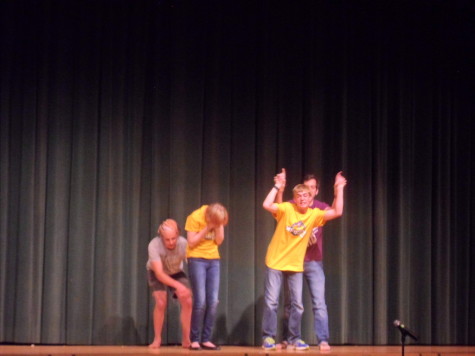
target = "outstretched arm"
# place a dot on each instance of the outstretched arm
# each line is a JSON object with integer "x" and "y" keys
{"x": 268, "y": 203}
{"x": 337, "y": 207}
{"x": 282, "y": 179}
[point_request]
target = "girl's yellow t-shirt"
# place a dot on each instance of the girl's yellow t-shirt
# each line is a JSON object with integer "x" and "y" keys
{"x": 207, "y": 248}
{"x": 287, "y": 248}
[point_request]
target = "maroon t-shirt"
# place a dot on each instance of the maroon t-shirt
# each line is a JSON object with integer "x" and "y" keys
{"x": 315, "y": 252}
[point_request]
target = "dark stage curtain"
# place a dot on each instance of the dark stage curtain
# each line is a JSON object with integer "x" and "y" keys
{"x": 118, "y": 114}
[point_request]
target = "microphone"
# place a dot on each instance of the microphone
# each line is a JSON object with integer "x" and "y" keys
{"x": 404, "y": 330}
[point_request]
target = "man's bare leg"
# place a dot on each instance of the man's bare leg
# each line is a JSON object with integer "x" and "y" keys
{"x": 185, "y": 317}
{"x": 160, "y": 298}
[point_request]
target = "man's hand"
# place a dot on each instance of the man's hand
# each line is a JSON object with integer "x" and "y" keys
{"x": 313, "y": 237}
{"x": 337, "y": 206}
{"x": 280, "y": 179}
{"x": 340, "y": 180}
{"x": 182, "y": 291}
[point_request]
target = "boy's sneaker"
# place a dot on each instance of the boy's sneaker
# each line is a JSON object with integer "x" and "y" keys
{"x": 269, "y": 344}
{"x": 324, "y": 346}
{"x": 300, "y": 345}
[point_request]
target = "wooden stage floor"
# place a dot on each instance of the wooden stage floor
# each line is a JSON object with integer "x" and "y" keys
{"x": 410, "y": 350}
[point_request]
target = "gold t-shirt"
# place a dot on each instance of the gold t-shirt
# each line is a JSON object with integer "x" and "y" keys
{"x": 287, "y": 248}
{"x": 207, "y": 248}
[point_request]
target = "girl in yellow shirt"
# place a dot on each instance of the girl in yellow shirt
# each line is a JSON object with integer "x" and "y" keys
{"x": 205, "y": 232}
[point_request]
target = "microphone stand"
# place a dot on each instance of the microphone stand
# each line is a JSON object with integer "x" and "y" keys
{"x": 403, "y": 342}
{"x": 404, "y": 332}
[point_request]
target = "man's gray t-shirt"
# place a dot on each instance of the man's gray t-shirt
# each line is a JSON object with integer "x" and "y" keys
{"x": 172, "y": 260}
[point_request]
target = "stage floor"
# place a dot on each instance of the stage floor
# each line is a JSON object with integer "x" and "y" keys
{"x": 411, "y": 350}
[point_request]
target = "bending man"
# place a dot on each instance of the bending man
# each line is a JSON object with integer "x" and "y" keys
{"x": 166, "y": 254}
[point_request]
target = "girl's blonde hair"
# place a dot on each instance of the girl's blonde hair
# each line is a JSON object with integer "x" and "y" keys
{"x": 217, "y": 214}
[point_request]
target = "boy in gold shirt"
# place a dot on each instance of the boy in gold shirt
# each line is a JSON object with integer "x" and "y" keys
{"x": 286, "y": 252}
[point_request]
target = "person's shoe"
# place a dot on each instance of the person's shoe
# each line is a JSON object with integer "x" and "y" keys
{"x": 268, "y": 344}
{"x": 195, "y": 346}
{"x": 300, "y": 345}
{"x": 324, "y": 346}
{"x": 284, "y": 345}
{"x": 212, "y": 348}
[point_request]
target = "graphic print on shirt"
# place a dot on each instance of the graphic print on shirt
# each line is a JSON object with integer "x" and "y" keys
{"x": 210, "y": 235}
{"x": 172, "y": 262}
{"x": 297, "y": 229}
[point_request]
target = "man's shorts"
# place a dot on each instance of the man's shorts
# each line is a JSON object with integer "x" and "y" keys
{"x": 156, "y": 285}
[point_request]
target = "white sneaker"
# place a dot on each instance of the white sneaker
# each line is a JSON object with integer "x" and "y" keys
{"x": 324, "y": 346}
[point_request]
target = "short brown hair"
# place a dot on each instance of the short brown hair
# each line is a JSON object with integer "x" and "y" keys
{"x": 309, "y": 176}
